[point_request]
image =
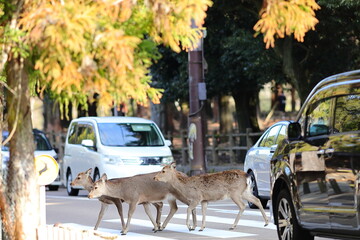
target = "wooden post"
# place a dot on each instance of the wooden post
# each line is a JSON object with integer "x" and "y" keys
{"x": 215, "y": 156}
{"x": 248, "y": 138}
{"x": 232, "y": 144}
{"x": 184, "y": 155}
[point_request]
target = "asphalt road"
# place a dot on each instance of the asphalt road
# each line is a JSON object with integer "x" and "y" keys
{"x": 81, "y": 212}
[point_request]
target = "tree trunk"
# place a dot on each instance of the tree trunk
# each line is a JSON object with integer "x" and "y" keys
{"x": 22, "y": 188}
{"x": 293, "y": 67}
{"x": 246, "y": 104}
{"x": 226, "y": 115}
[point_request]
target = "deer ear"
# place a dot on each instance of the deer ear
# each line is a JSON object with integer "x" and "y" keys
{"x": 173, "y": 165}
{"x": 103, "y": 177}
{"x": 88, "y": 172}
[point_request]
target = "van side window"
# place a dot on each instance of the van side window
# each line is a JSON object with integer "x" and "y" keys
{"x": 347, "y": 113}
{"x": 72, "y": 134}
{"x": 85, "y": 132}
{"x": 318, "y": 118}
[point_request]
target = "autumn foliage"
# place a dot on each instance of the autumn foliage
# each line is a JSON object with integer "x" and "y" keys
{"x": 106, "y": 47}
{"x": 279, "y": 18}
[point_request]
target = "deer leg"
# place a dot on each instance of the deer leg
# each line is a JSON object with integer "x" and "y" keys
{"x": 104, "y": 206}
{"x": 203, "y": 209}
{"x": 238, "y": 201}
{"x": 193, "y": 212}
{"x": 191, "y": 207}
{"x": 148, "y": 212}
{"x": 251, "y": 198}
{"x": 118, "y": 205}
{"x": 173, "y": 209}
{"x": 132, "y": 207}
{"x": 159, "y": 207}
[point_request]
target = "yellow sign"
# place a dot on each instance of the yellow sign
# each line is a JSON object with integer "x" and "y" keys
{"x": 47, "y": 169}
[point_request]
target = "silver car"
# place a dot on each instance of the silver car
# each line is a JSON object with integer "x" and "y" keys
{"x": 257, "y": 160}
{"x": 42, "y": 147}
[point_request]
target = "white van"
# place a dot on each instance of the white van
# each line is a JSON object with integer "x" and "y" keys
{"x": 117, "y": 146}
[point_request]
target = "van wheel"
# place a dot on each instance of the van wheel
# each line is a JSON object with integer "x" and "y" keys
{"x": 254, "y": 191}
{"x": 71, "y": 191}
{"x": 53, "y": 188}
{"x": 287, "y": 225}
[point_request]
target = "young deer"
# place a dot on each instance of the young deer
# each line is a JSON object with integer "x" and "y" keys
{"x": 84, "y": 180}
{"x": 139, "y": 189}
{"x": 211, "y": 187}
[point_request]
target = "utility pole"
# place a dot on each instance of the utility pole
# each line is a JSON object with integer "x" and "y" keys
{"x": 197, "y": 118}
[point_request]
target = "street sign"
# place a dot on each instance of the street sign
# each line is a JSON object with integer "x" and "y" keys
{"x": 47, "y": 169}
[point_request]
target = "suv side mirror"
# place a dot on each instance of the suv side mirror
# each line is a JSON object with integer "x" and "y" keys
{"x": 294, "y": 131}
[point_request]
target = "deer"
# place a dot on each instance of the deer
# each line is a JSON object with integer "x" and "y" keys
{"x": 84, "y": 179}
{"x": 233, "y": 184}
{"x": 139, "y": 189}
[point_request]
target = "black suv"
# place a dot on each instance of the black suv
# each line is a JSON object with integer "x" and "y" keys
{"x": 315, "y": 171}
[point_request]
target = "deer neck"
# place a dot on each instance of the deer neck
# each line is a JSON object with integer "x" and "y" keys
{"x": 88, "y": 184}
{"x": 178, "y": 185}
{"x": 113, "y": 189}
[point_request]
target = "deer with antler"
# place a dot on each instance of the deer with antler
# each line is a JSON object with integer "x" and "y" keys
{"x": 233, "y": 184}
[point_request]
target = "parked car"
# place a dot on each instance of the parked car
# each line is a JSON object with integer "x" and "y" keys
{"x": 42, "y": 147}
{"x": 315, "y": 171}
{"x": 257, "y": 161}
{"x": 117, "y": 146}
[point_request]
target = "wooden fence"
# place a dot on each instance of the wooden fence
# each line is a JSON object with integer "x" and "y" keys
{"x": 220, "y": 148}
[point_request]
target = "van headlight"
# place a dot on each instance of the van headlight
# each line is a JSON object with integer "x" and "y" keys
{"x": 167, "y": 160}
{"x": 115, "y": 160}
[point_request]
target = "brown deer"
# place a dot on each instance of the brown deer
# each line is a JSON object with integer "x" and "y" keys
{"x": 84, "y": 180}
{"x": 139, "y": 189}
{"x": 210, "y": 187}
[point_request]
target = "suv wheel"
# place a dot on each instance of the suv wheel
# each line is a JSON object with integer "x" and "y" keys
{"x": 71, "y": 191}
{"x": 254, "y": 191}
{"x": 287, "y": 226}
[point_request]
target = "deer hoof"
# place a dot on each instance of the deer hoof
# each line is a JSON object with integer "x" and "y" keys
{"x": 232, "y": 228}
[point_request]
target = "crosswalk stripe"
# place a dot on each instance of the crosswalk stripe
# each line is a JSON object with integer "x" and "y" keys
{"x": 208, "y": 232}
{"x": 242, "y": 222}
{"x": 128, "y": 236}
{"x": 246, "y": 212}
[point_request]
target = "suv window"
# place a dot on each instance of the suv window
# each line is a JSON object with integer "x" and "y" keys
{"x": 347, "y": 114}
{"x": 318, "y": 118}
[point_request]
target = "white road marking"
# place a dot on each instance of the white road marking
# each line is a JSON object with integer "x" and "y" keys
{"x": 242, "y": 222}
{"x": 129, "y": 235}
{"x": 208, "y": 232}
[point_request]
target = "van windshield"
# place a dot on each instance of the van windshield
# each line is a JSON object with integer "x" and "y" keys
{"x": 126, "y": 134}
